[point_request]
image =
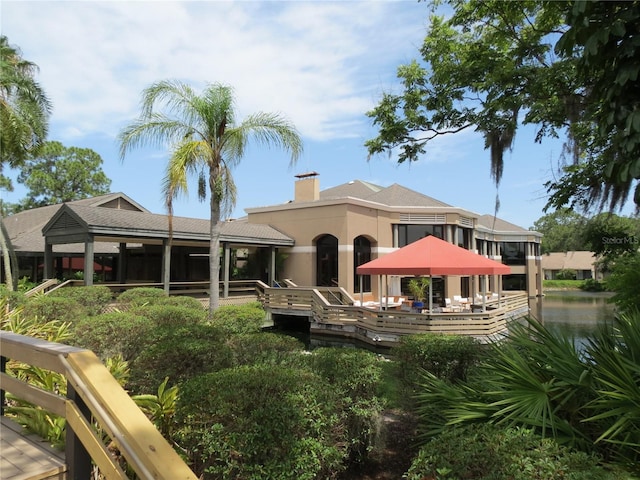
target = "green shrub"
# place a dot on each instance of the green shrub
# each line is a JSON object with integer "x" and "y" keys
{"x": 487, "y": 452}
{"x": 179, "y": 301}
{"x": 260, "y": 423}
{"x": 141, "y": 296}
{"x": 624, "y": 281}
{"x": 94, "y": 298}
{"x": 179, "y": 352}
{"x": 234, "y": 319}
{"x": 448, "y": 357}
{"x": 592, "y": 285}
{"x": 356, "y": 374}
{"x": 567, "y": 274}
{"x": 263, "y": 348}
{"x": 171, "y": 314}
{"x": 112, "y": 334}
{"x": 46, "y": 308}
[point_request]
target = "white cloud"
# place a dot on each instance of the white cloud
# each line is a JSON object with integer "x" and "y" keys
{"x": 316, "y": 62}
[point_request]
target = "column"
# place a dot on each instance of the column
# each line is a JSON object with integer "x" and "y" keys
{"x": 166, "y": 264}
{"x": 88, "y": 261}
{"x": 226, "y": 268}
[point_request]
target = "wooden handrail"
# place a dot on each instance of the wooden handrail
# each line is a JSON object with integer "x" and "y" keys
{"x": 91, "y": 388}
{"x": 44, "y": 287}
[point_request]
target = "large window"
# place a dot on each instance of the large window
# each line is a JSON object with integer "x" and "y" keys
{"x": 513, "y": 253}
{"x": 327, "y": 261}
{"x": 514, "y": 282}
{"x": 464, "y": 237}
{"x": 361, "y": 255}
{"x": 410, "y": 233}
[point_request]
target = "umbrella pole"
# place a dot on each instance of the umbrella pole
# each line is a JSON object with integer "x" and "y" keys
{"x": 362, "y": 290}
{"x": 430, "y": 296}
{"x": 380, "y": 292}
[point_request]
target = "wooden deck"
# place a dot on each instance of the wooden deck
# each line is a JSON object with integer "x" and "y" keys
{"x": 27, "y": 457}
{"x": 330, "y": 311}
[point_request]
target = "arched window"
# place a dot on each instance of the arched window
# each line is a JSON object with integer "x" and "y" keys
{"x": 327, "y": 261}
{"x": 361, "y": 254}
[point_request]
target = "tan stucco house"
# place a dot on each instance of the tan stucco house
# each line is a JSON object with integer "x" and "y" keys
{"x": 583, "y": 263}
{"x": 340, "y": 228}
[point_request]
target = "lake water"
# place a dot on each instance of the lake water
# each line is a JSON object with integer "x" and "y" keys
{"x": 576, "y": 312}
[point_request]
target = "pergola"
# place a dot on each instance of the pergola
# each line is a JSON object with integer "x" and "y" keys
{"x": 431, "y": 256}
{"x": 88, "y": 225}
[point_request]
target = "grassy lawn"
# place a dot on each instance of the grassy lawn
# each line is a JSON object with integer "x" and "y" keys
{"x": 562, "y": 284}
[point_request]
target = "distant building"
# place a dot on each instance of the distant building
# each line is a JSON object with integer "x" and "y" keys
{"x": 582, "y": 262}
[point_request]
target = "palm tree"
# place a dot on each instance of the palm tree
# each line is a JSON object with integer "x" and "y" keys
{"x": 204, "y": 137}
{"x": 24, "y": 107}
{"x": 24, "y": 118}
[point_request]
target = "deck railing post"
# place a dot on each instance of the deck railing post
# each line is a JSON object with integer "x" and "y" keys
{"x": 3, "y": 369}
{"x": 78, "y": 459}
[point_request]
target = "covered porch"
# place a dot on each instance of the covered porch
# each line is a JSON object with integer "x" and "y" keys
{"x": 148, "y": 254}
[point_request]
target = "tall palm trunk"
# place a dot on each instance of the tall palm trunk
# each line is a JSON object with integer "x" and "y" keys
{"x": 214, "y": 245}
{"x": 7, "y": 250}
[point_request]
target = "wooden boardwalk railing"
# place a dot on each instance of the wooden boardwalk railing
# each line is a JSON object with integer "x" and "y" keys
{"x": 331, "y": 311}
{"x": 94, "y": 397}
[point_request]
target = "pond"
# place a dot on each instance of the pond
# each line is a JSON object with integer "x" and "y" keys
{"x": 574, "y": 312}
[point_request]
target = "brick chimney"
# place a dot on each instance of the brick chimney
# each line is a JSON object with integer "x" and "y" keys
{"x": 307, "y": 187}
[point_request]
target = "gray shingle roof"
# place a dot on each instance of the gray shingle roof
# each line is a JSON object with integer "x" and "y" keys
{"x": 25, "y": 229}
{"x": 393, "y": 196}
{"x": 133, "y": 224}
{"x": 494, "y": 223}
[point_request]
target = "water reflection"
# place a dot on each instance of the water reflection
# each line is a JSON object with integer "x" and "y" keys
{"x": 576, "y": 313}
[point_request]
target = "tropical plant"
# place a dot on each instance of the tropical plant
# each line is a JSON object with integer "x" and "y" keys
{"x": 418, "y": 288}
{"x": 583, "y": 397}
{"x": 24, "y": 107}
{"x": 205, "y": 139}
{"x": 160, "y": 407}
{"x": 24, "y": 116}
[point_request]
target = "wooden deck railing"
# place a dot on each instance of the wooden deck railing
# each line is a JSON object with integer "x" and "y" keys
{"x": 93, "y": 396}
{"x": 335, "y": 306}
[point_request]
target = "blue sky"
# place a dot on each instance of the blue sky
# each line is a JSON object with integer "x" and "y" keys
{"x": 322, "y": 64}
